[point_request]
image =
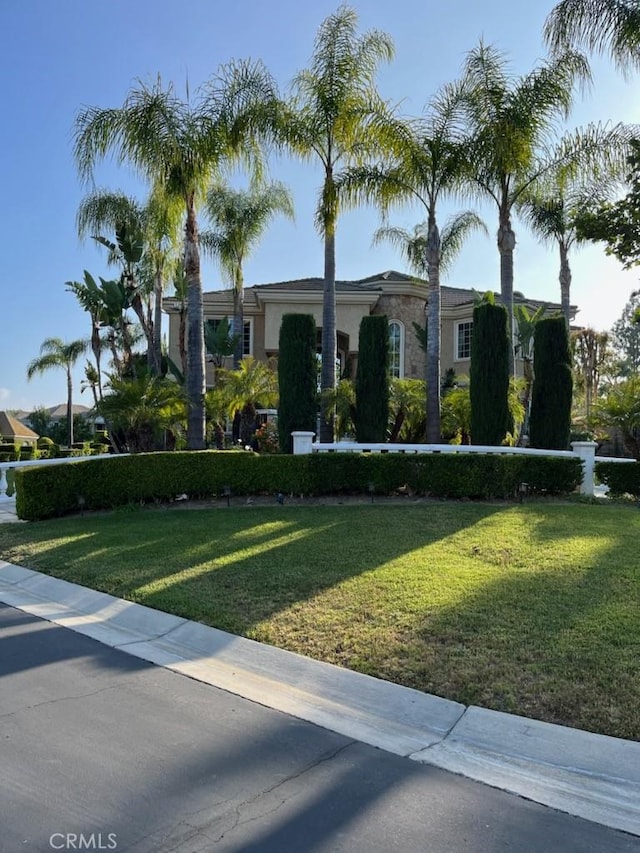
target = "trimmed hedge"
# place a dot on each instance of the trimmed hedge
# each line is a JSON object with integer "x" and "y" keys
{"x": 53, "y": 490}
{"x": 552, "y": 392}
{"x": 372, "y": 379}
{"x": 489, "y": 375}
{"x": 297, "y": 377}
{"x": 622, "y": 478}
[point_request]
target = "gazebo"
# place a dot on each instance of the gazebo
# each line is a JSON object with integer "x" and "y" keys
{"x": 13, "y": 430}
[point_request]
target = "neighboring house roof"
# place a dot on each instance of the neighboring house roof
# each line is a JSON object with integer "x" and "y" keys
{"x": 59, "y": 412}
{"x": 12, "y": 428}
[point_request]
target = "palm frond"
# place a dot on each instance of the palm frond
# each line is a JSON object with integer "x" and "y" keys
{"x": 601, "y": 26}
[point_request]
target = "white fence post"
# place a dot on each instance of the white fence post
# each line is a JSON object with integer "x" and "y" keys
{"x": 302, "y": 442}
{"x": 3, "y": 485}
{"x": 586, "y": 450}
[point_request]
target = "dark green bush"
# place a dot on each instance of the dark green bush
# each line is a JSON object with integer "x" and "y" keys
{"x": 55, "y": 490}
{"x": 489, "y": 375}
{"x": 372, "y": 379}
{"x": 622, "y": 478}
{"x": 551, "y": 396}
{"x": 297, "y": 377}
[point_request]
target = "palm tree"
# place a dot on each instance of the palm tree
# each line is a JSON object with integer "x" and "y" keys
{"x": 107, "y": 304}
{"x": 427, "y": 161}
{"x": 55, "y": 353}
{"x": 329, "y": 120}
{"x": 90, "y": 298}
{"x": 549, "y": 206}
{"x": 600, "y": 26}
{"x": 512, "y": 123}
{"x": 143, "y": 410}
{"x": 239, "y": 219}
{"x": 430, "y": 253}
{"x": 91, "y": 380}
{"x": 525, "y": 327}
{"x": 146, "y": 237}
{"x": 252, "y": 386}
{"x": 178, "y": 148}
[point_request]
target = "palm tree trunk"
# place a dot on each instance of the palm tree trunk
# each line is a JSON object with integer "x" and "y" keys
{"x": 433, "y": 335}
{"x": 195, "y": 381}
{"x": 565, "y": 284}
{"x": 329, "y": 345}
{"x": 157, "y": 322}
{"x": 182, "y": 340}
{"x": 69, "y": 406}
{"x": 238, "y": 319}
{"x": 506, "y": 245}
{"x": 117, "y": 361}
{"x": 96, "y": 346}
{"x": 138, "y": 308}
{"x": 129, "y": 362}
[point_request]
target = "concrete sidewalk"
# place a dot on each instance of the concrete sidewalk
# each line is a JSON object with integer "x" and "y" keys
{"x": 8, "y": 512}
{"x": 587, "y": 775}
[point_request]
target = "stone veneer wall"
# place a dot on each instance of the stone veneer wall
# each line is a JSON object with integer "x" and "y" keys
{"x": 409, "y": 310}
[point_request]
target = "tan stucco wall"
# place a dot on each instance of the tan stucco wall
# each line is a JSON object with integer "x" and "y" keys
{"x": 448, "y": 345}
{"x": 348, "y": 317}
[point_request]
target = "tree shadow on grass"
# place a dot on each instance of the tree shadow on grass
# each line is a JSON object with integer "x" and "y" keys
{"x": 559, "y": 644}
{"x": 235, "y": 569}
{"x": 556, "y": 642}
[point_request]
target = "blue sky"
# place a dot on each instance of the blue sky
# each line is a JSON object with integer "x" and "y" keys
{"x": 60, "y": 55}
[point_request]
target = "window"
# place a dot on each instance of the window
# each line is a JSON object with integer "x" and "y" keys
{"x": 247, "y": 338}
{"x": 463, "y": 340}
{"x": 396, "y": 349}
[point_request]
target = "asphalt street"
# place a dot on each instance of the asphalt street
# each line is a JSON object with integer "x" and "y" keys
{"x": 100, "y": 750}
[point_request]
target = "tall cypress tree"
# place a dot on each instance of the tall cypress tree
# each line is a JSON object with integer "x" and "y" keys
{"x": 297, "y": 377}
{"x": 489, "y": 374}
{"x": 550, "y": 421}
{"x": 372, "y": 379}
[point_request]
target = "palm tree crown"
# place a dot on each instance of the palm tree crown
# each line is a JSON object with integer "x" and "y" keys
{"x": 55, "y": 353}
{"x": 239, "y": 219}
{"x": 426, "y": 160}
{"x": 512, "y": 123}
{"x": 329, "y": 120}
{"x": 178, "y": 148}
{"x": 600, "y": 26}
{"x": 550, "y": 205}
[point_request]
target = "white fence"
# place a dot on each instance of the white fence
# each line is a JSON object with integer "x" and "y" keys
{"x": 584, "y": 450}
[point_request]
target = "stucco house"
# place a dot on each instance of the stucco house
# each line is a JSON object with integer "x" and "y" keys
{"x": 402, "y": 298}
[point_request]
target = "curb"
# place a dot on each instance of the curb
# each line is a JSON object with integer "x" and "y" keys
{"x": 591, "y": 776}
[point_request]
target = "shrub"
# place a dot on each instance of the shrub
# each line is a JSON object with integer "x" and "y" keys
{"x": 489, "y": 375}
{"x": 54, "y": 490}
{"x": 267, "y": 438}
{"x": 372, "y": 380}
{"x": 297, "y": 377}
{"x": 550, "y": 420}
{"x": 622, "y": 478}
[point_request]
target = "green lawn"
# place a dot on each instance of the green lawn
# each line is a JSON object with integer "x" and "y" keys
{"x": 531, "y": 609}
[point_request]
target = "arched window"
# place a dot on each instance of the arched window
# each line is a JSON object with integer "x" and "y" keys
{"x": 396, "y": 349}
